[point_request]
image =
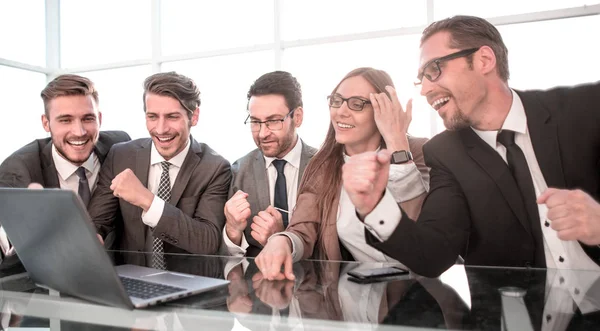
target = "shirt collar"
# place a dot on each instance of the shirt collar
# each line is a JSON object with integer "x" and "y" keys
{"x": 516, "y": 121}
{"x": 66, "y": 169}
{"x": 176, "y": 160}
{"x": 292, "y": 157}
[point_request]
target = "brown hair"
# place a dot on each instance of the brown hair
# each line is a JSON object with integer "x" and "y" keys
{"x": 176, "y": 86}
{"x": 472, "y": 32}
{"x": 323, "y": 174}
{"x": 67, "y": 85}
{"x": 279, "y": 83}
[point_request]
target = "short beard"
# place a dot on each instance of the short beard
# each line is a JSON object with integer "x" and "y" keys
{"x": 457, "y": 122}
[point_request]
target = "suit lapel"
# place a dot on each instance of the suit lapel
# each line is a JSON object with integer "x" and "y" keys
{"x": 544, "y": 138}
{"x": 304, "y": 158}
{"x": 187, "y": 169}
{"x": 491, "y": 162}
{"x": 261, "y": 181}
{"x": 101, "y": 149}
{"x": 49, "y": 168}
{"x": 141, "y": 170}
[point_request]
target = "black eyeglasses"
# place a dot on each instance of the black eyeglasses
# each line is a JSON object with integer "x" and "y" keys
{"x": 273, "y": 125}
{"x": 432, "y": 70}
{"x": 354, "y": 103}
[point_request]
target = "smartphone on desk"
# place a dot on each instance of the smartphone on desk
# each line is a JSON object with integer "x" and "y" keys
{"x": 375, "y": 275}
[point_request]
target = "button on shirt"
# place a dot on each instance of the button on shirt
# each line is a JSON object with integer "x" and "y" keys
{"x": 291, "y": 171}
{"x": 154, "y": 213}
{"x": 67, "y": 179}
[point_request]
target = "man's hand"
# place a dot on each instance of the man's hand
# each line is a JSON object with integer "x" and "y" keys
{"x": 238, "y": 300}
{"x": 237, "y": 212}
{"x": 277, "y": 294}
{"x": 129, "y": 188}
{"x": 575, "y": 215}
{"x": 276, "y": 253}
{"x": 391, "y": 120}
{"x": 365, "y": 177}
{"x": 265, "y": 224}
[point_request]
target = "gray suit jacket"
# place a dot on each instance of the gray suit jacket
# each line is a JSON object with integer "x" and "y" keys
{"x": 250, "y": 176}
{"x": 191, "y": 222}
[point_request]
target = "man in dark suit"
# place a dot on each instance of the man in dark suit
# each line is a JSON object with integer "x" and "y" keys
{"x": 169, "y": 190}
{"x": 71, "y": 157}
{"x": 502, "y": 149}
{"x": 258, "y": 186}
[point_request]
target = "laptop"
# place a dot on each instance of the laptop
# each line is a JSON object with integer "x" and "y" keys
{"x": 57, "y": 243}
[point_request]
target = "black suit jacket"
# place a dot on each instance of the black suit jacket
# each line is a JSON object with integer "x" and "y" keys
{"x": 191, "y": 222}
{"x": 33, "y": 162}
{"x": 473, "y": 208}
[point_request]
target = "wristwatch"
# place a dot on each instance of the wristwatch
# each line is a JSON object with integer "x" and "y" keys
{"x": 400, "y": 157}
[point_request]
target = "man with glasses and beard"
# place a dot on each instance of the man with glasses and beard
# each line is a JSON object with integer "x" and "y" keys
{"x": 71, "y": 157}
{"x": 515, "y": 179}
{"x": 265, "y": 181}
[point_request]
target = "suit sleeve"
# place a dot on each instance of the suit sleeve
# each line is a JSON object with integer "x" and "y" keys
{"x": 432, "y": 244}
{"x": 201, "y": 232}
{"x": 304, "y": 224}
{"x": 14, "y": 173}
{"x": 104, "y": 206}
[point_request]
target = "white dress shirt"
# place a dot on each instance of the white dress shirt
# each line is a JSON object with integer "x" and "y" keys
{"x": 292, "y": 176}
{"x": 68, "y": 180}
{"x": 404, "y": 183}
{"x": 571, "y": 253}
{"x": 154, "y": 213}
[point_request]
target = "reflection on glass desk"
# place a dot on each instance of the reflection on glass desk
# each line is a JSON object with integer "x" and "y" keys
{"x": 322, "y": 298}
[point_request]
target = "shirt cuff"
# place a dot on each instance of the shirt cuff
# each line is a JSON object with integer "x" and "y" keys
{"x": 384, "y": 219}
{"x": 154, "y": 213}
{"x": 5, "y": 244}
{"x": 405, "y": 182}
{"x": 232, "y": 263}
{"x": 233, "y": 249}
{"x": 297, "y": 246}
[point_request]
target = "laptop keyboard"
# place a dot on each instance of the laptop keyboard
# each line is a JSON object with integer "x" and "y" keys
{"x": 146, "y": 290}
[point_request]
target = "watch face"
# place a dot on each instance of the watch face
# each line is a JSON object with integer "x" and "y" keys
{"x": 400, "y": 157}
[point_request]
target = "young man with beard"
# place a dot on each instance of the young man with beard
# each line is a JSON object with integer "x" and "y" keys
{"x": 166, "y": 192}
{"x": 265, "y": 181}
{"x": 515, "y": 179}
{"x": 71, "y": 157}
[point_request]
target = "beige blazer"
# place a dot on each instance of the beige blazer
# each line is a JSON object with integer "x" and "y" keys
{"x": 326, "y": 246}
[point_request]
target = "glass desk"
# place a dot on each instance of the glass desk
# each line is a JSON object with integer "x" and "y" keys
{"x": 322, "y": 298}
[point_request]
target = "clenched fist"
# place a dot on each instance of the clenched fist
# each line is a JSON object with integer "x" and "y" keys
{"x": 575, "y": 215}
{"x": 237, "y": 212}
{"x": 266, "y": 223}
{"x": 129, "y": 188}
{"x": 365, "y": 177}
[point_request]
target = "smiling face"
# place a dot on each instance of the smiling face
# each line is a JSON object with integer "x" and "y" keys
{"x": 356, "y": 130}
{"x": 274, "y": 143}
{"x": 458, "y": 91}
{"x": 73, "y": 123}
{"x": 168, "y": 124}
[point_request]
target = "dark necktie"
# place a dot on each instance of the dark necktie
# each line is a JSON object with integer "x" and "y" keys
{"x": 164, "y": 192}
{"x": 281, "y": 200}
{"x": 84, "y": 187}
{"x": 520, "y": 171}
